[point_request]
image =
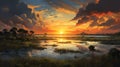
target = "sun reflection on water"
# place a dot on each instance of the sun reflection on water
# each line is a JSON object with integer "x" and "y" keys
{"x": 61, "y": 40}
{"x": 66, "y": 44}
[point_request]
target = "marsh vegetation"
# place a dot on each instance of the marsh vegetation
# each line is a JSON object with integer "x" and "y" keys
{"x": 58, "y": 51}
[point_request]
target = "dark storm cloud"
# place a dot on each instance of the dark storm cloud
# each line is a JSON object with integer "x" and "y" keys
{"x": 104, "y": 13}
{"x": 108, "y": 22}
{"x": 81, "y": 13}
{"x": 115, "y": 27}
{"x": 11, "y": 11}
{"x": 83, "y": 20}
{"x": 102, "y": 6}
{"x": 94, "y": 21}
{"x": 86, "y": 19}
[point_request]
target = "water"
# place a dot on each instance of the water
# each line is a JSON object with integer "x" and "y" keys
{"x": 70, "y": 35}
{"x": 62, "y": 42}
{"x": 77, "y": 48}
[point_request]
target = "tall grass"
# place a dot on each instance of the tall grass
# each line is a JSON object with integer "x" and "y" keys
{"x": 17, "y": 44}
{"x": 98, "y": 61}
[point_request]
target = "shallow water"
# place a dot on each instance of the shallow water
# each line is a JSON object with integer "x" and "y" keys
{"x": 77, "y": 48}
{"x": 70, "y": 44}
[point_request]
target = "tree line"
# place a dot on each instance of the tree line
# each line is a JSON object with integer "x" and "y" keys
{"x": 16, "y": 33}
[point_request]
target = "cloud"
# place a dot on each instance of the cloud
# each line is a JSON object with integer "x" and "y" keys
{"x": 18, "y": 14}
{"x": 12, "y": 8}
{"x": 82, "y": 20}
{"x": 104, "y": 6}
{"x": 62, "y": 6}
{"x": 108, "y": 22}
{"x": 33, "y": 7}
{"x": 64, "y": 10}
{"x": 69, "y": 6}
{"x": 103, "y": 13}
{"x": 2, "y": 26}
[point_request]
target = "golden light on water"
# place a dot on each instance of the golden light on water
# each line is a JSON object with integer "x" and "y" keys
{"x": 61, "y": 40}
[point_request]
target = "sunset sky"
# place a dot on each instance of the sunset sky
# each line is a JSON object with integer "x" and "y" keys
{"x": 61, "y": 16}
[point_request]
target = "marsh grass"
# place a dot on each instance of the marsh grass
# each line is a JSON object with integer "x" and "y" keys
{"x": 17, "y": 44}
{"x": 62, "y": 51}
{"x": 98, "y": 61}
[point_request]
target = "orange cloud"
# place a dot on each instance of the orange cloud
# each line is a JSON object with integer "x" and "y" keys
{"x": 61, "y": 6}
{"x": 65, "y": 10}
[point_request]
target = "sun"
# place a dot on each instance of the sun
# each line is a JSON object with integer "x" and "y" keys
{"x": 61, "y": 32}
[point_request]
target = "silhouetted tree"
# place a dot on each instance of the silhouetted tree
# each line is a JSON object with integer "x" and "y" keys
{"x": 25, "y": 32}
{"x": 31, "y": 32}
{"x": 1, "y": 33}
{"x": 20, "y": 31}
{"x": 13, "y": 31}
{"x": 5, "y": 33}
{"x": 45, "y": 34}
